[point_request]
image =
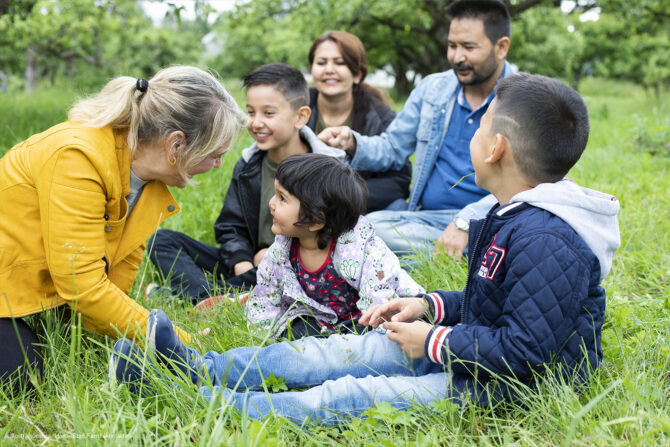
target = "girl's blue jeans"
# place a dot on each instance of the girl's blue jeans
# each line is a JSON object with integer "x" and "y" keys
{"x": 340, "y": 376}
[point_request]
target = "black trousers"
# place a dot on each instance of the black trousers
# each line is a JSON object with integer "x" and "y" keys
{"x": 306, "y": 326}
{"x": 185, "y": 260}
{"x": 19, "y": 351}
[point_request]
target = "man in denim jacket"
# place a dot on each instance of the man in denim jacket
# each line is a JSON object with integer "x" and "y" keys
{"x": 436, "y": 124}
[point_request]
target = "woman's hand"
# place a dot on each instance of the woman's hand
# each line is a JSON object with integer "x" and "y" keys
{"x": 339, "y": 137}
{"x": 397, "y": 310}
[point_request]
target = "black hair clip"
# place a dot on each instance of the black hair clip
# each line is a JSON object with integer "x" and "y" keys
{"x": 142, "y": 85}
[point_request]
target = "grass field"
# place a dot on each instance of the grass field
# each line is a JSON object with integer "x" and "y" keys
{"x": 627, "y": 403}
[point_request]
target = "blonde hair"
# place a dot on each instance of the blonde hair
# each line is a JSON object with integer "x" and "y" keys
{"x": 178, "y": 98}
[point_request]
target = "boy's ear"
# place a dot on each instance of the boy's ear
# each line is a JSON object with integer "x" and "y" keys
{"x": 303, "y": 114}
{"x": 498, "y": 150}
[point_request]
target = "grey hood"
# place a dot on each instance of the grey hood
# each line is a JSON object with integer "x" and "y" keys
{"x": 592, "y": 214}
{"x": 307, "y": 135}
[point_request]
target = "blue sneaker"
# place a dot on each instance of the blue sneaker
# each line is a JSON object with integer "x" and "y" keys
{"x": 162, "y": 338}
{"x": 129, "y": 365}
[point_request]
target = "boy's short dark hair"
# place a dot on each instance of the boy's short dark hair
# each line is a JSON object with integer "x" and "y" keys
{"x": 546, "y": 122}
{"x": 288, "y": 80}
{"x": 494, "y": 14}
{"x": 330, "y": 192}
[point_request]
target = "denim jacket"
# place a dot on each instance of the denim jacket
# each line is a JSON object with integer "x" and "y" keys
{"x": 419, "y": 128}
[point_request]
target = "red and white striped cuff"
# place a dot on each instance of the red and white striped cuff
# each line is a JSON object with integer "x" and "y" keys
{"x": 436, "y": 343}
{"x": 438, "y": 307}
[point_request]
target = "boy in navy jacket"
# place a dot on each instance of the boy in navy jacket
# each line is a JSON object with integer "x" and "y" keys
{"x": 532, "y": 302}
{"x": 532, "y": 298}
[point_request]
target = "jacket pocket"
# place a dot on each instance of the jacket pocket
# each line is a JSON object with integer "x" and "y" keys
{"x": 116, "y": 210}
{"x": 425, "y": 122}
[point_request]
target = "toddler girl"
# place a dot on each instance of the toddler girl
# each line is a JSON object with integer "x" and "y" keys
{"x": 326, "y": 265}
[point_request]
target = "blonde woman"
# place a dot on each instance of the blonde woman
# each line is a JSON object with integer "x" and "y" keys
{"x": 80, "y": 199}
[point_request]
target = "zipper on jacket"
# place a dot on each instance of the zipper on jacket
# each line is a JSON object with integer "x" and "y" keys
{"x": 471, "y": 262}
{"x": 254, "y": 239}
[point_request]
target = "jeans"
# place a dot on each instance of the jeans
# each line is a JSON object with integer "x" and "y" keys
{"x": 184, "y": 260}
{"x": 396, "y": 205}
{"x": 408, "y": 232}
{"x": 343, "y": 376}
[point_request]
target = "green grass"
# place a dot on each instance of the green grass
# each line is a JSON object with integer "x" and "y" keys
{"x": 627, "y": 403}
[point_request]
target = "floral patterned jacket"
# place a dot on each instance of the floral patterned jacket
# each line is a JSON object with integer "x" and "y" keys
{"x": 360, "y": 257}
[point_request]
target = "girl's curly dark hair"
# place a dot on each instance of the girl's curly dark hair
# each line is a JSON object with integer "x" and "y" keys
{"x": 330, "y": 192}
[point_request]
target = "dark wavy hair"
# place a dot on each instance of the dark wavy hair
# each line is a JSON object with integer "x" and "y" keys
{"x": 330, "y": 192}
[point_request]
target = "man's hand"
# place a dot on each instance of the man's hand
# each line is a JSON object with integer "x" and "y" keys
{"x": 340, "y": 137}
{"x": 258, "y": 257}
{"x": 241, "y": 267}
{"x": 411, "y": 337}
{"x": 397, "y": 310}
{"x": 453, "y": 241}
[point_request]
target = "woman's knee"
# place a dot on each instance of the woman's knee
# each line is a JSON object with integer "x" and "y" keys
{"x": 21, "y": 355}
{"x": 163, "y": 238}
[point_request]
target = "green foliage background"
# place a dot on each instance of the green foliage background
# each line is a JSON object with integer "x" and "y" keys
{"x": 85, "y": 42}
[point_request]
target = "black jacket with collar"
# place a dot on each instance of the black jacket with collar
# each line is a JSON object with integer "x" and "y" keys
{"x": 383, "y": 187}
{"x": 236, "y": 228}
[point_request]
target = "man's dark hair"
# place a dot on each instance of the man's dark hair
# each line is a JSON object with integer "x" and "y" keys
{"x": 493, "y": 13}
{"x": 330, "y": 192}
{"x": 288, "y": 80}
{"x": 546, "y": 122}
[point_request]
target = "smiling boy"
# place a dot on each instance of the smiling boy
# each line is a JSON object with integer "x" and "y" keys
{"x": 277, "y": 109}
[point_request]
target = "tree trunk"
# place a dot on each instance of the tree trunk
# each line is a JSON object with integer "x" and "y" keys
{"x": 31, "y": 69}
{"x": 576, "y": 78}
{"x": 69, "y": 72}
{"x": 401, "y": 85}
{"x": 4, "y": 6}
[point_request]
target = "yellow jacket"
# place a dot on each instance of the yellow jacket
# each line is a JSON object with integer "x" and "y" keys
{"x": 65, "y": 236}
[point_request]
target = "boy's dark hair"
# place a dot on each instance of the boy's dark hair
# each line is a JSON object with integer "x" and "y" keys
{"x": 493, "y": 13}
{"x": 330, "y": 192}
{"x": 546, "y": 122}
{"x": 288, "y": 80}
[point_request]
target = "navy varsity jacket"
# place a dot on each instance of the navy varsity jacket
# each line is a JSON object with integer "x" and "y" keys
{"x": 532, "y": 300}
